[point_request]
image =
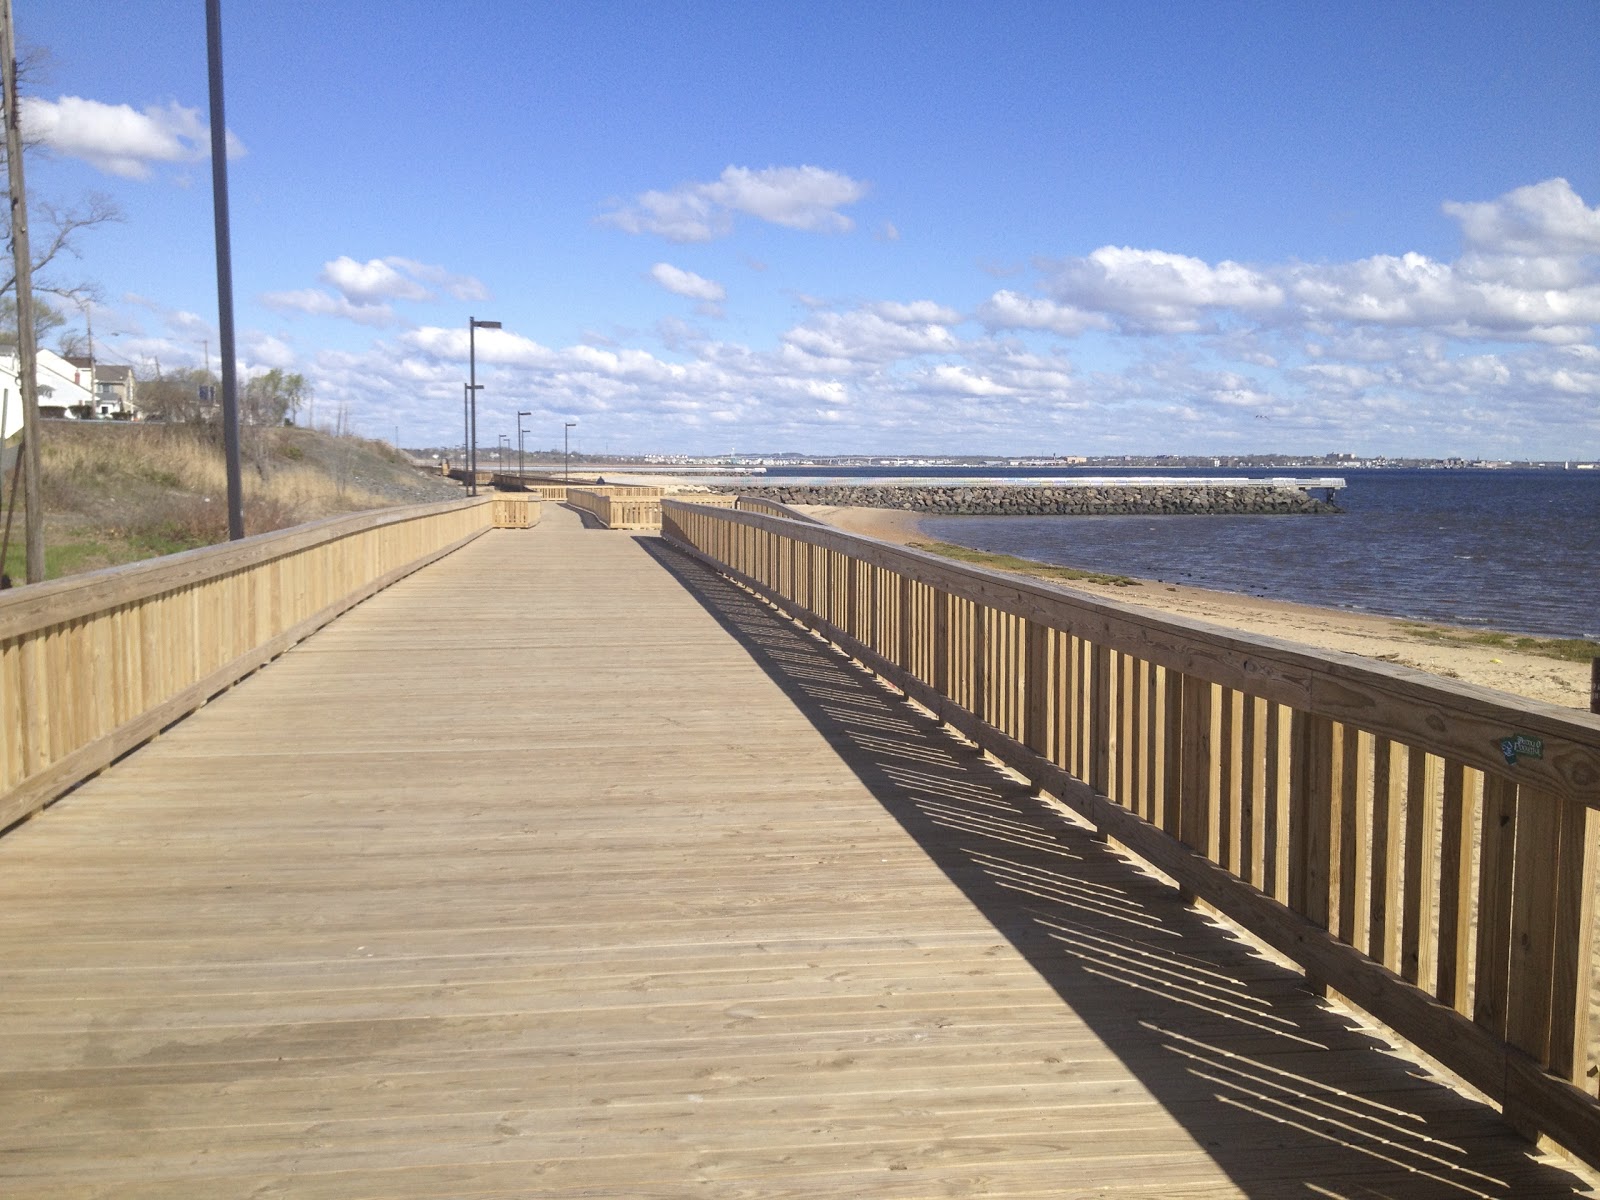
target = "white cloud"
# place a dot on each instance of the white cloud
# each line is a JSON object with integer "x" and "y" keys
{"x": 855, "y": 380}
{"x": 1011, "y": 310}
{"x": 118, "y": 139}
{"x": 266, "y": 352}
{"x": 1542, "y": 219}
{"x": 687, "y": 284}
{"x": 1414, "y": 290}
{"x": 1529, "y": 273}
{"x": 917, "y": 312}
{"x": 963, "y": 380}
{"x": 371, "y": 282}
{"x": 364, "y": 290}
{"x": 806, "y": 198}
{"x": 317, "y": 303}
{"x": 1154, "y": 290}
{"x": 457, "y": 287}
{"x": 865, "y": 336}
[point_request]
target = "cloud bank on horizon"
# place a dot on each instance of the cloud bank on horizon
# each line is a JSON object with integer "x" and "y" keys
{"x": 807, "y": 304}
{"x": 1507, "y": 329}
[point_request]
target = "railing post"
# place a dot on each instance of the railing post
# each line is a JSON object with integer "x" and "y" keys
{"x": 1577, "y": 888}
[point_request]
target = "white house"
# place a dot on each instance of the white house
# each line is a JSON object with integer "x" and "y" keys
{"x": 64, "y": 388}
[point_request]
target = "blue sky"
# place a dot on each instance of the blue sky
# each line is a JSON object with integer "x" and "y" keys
{"x": 1007, "y": 228}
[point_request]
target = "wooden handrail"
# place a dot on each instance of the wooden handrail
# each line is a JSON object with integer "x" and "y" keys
{"x": 631, "y": 507}
{"x": 1429, "y": 849}
{"x": 92, "y": 665}
{"x": 773, "y": 508}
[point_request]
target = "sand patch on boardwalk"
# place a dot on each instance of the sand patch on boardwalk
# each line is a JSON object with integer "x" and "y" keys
{"x": 1505, "y": 669}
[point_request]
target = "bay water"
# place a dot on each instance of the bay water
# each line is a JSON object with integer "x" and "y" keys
{"x": 1511, "y": 550}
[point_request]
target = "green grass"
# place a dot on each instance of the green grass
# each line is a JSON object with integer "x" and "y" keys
{"x": 59, "y": 560}
{"x": 1565, "y": 649}
{"x": 1022, "y": 566}
{"x": 88, "y": 550}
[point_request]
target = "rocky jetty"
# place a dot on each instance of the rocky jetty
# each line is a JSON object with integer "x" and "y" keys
{"x": 1034, "y": 501}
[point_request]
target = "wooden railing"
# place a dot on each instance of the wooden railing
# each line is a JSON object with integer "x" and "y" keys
{"x": 518, "y": 511}
{"x": 1428, "y": 849}
{"x": 93, "y": 665}
{"x": 535, "y": 485}
{"x": 773, "y": 508}
{"x": 631, "y": 507}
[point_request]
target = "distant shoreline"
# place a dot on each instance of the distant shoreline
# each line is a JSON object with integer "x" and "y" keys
{"x": 1091, "y": 497}
{"x": 1389, "y": 639}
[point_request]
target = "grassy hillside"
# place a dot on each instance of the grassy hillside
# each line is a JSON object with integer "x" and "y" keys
{"x": 117, "y": 492}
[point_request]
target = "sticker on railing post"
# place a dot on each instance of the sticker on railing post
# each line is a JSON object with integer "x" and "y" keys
{"x": 1520, "y": 745}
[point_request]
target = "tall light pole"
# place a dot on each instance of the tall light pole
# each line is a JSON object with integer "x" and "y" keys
{"x": 473, "y": 325}
{"x": 466, "y": 430}
{"x": 219, "y": 207}
{"x": 521, "y": 429}
{"x": 566, "y": 449}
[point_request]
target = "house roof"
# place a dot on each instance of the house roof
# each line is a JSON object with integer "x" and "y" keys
{"x": 105, "y": 372}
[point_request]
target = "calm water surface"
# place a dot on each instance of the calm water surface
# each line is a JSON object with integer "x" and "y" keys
{"x": 1511, "y": 550}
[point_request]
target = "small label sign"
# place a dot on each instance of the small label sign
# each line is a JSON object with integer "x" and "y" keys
{"x": 1519, "y": 745}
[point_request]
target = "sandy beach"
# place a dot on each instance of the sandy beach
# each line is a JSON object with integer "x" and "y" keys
{"x": 1533, "y": 676}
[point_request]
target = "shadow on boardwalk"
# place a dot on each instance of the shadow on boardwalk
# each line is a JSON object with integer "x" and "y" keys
{"x": 1286, "y": 1095}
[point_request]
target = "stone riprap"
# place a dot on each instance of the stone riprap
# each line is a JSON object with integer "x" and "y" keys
{"x": 1034, "y": 501}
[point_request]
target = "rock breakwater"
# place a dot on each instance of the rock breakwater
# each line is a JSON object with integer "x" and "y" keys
{"x": 1033, "y": 501}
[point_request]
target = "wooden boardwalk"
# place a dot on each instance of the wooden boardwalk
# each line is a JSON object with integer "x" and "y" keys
{"x": 563, "y": 868}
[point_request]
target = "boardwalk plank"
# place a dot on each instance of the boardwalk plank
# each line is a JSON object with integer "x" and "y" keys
{"x": 563, "y": 869}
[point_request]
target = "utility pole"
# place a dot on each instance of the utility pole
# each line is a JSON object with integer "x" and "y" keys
{"x": 27, "y": 352}
{"x": 219, "y": 204}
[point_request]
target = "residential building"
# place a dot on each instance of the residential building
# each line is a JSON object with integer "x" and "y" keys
{"x": 115, "y": 390}
{"x": 63, "y": 388}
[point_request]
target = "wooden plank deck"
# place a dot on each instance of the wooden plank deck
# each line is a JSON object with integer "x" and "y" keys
{"x": 564, "y": 869}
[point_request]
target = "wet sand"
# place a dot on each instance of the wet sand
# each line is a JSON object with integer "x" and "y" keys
{"x": 1533, "y": 676}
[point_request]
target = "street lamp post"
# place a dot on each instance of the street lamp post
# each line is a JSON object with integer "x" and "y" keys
{"x": 566, "y": 449}
{"x": 473, "y": 325}
{"x": 521, "y": 429}
{"x": 466, "y": 437}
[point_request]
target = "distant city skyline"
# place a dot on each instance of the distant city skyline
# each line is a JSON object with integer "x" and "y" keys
{"x": 1038, "y": 228}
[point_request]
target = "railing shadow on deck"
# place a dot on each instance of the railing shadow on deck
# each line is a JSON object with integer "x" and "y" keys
{"x": 1286, "y": 1095}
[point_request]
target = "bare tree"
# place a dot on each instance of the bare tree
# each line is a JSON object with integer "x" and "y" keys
{"x": 54, "y": 229}
{"x": 176, "y": 395}
{"x": 274, "y": 398}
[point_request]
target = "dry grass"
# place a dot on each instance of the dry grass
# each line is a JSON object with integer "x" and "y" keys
{"x": 115, "y": 493}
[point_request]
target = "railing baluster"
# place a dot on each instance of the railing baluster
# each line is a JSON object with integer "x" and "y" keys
{"x": 1575, "y": 981}
{"x": 1455, "y": 887}
{"x": 1495, "y": 873}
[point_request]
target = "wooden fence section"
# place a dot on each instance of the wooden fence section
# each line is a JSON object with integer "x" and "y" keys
{"x": 93, "y": 665}
{"x": 516, "y": 512}
{"x": 772, "y": 508}
{"x": 539, "y": 486}
{"x": 631, "y": 507}
{"x": 1428, "y": 849}
{"x": 466, "y": 476}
